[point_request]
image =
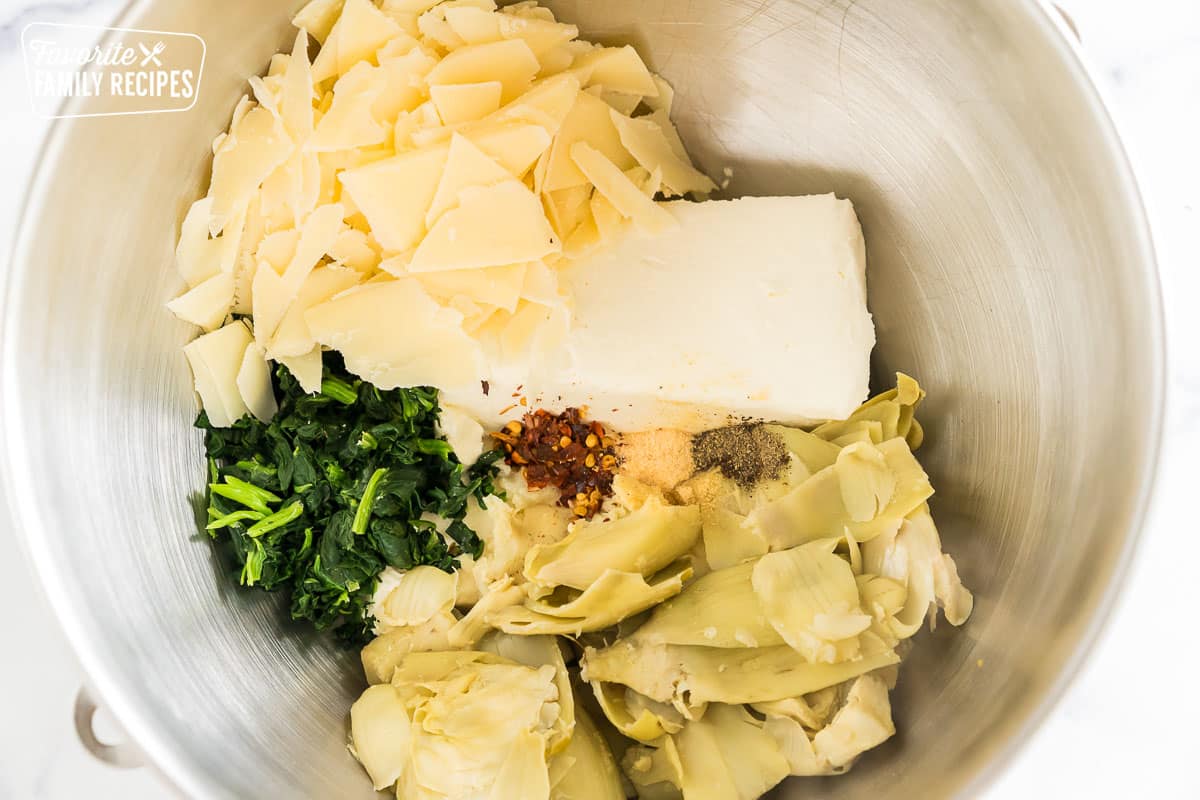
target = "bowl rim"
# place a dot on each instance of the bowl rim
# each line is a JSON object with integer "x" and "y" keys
{"x": 183, "y": 774}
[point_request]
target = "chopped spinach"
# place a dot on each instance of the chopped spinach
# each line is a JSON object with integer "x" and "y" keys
{"x": 318, "y": 501}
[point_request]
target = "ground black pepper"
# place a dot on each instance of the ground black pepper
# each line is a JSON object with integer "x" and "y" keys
{"x": 747, "y": 454}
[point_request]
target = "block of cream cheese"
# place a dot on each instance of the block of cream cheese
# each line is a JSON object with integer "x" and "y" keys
{"x": 752, "y": 308}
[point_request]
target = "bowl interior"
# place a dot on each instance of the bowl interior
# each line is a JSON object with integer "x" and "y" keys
{"x": 1009, "y": 271}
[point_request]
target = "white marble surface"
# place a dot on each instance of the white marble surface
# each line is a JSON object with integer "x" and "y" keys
{"x": 1128, "y": 725}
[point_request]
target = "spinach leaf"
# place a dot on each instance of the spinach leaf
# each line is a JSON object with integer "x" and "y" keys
{"x": 319, "y": 500}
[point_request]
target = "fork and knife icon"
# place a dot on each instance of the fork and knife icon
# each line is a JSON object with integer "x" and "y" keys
{"x": 152, "y": 54}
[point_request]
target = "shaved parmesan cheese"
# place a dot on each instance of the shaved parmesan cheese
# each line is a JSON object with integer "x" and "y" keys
{"x": 465, "y": 102}
{"x": 292, "y": 190}
{"x": 622, "y": 102}
{"x": 492, "y": 226}
{"x": 401, "y": 45}
{"x": 514, "y": 146}
{"x": 590, "y": 120}
{"x": 406, "y": 20}
{"x": 649, "y": 182}
{"x": 466, "y": 165}
{"x": 556, "y": 60}
{"x": 318, "y": 17}
{"x": 434, "y": 28}
{"x": 278, "y": 64}
{"x": 277, "y": 249}
{"x": 206, "y": 304}
{"x": 317, "y": 237}
{"x": 198, "y": 257}
{"x": 645, "y": 139}
{"x": 474, "y": 25}
{"x": 618, "y": 69}
{"x": 583, "y": 240}
{"x": 669, "y": 131}
{"x": 395, "y": 194}
{"x": 546, "y": 104}
{"x": 610, "y": 224}
{"x": 623, "y": 193}
{"x": 529, "y": 9}
{"x": 542, "y": 35}
{"x": 499, "y": 287}
{"x": 264, "y": 94}
{"x": 418, "y": 154}
{"x": 306, "y": 369}
{"x": 568, "y": 208}
{"x": 271, "y": 298}
{"x": 410, "y": 6}
{"x": 291, "y": 336}
{"x": 400, "y": 79}
{"x": 254, "y": 383}
{"x": 394, "y": 334}
{"x": 665, "y": 97}
{"x": 356, "y": 250}
{"x": 351, "y": 122}
{"x": 510, "y": 62}
{"x": 256, "y": 145}
{"x": 296, "y": 92}
{"x": 360, "y": 31}
{"x": 216, "y": 358}
{"x": 402, "y": 134}
{"x": 194, "y": 256}
{"x": 253, "y": 231}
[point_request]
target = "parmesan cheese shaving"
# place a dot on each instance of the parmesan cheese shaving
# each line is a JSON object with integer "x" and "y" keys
{"x": 492, "y": 226}
{"x": 206, "y": 304}
{"x": 466, "y": 102}
{"x": 216, "y": 359}
{"x": 623, "y": 193}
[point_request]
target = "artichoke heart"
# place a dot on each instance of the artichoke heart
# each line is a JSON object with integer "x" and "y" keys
{"x": 731, "y": 635}
{"x": 408, "y": 599}
{"x": 912, "y": 556}
{"x": 541, "y": 651}
{"x": 586, "y": 769}
{"x": 863, "y": 722}
{"x": 385, "y": 652}
{"x": 723, "y": 508}
{"x": 635, "y": 715}
{"x": 656, "y": 772}
{"x": 725, "y": 755}
{"x": 817, "y": 508}
{"x": 614, "y": 596}
{"x": 462, "y": 724}
{"x": 482, "y": 727}
{"x": 685, "y": 675}
{"x": 893, "y": 410}
{"x": 810, "y": 597}
{"x": 381, "y": 731}
{"x": 720, "y": 609}
{"x": 811, "y": 450}
{"x": 642, "y": 542}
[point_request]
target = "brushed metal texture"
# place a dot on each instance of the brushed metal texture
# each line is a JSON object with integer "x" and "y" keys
{"x": 1010, "y": 270}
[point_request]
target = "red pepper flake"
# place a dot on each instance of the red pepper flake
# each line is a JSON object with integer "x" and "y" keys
{"x": 487, "y": 387}
{"x": 507, "y": 409}
{"x": 564, "y": 451}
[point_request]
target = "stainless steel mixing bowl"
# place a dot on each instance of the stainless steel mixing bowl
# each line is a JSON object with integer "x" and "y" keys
{"x": 1010, "y": 270}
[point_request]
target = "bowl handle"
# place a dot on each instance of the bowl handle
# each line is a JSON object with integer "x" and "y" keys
{"x": 122, "y": 754}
